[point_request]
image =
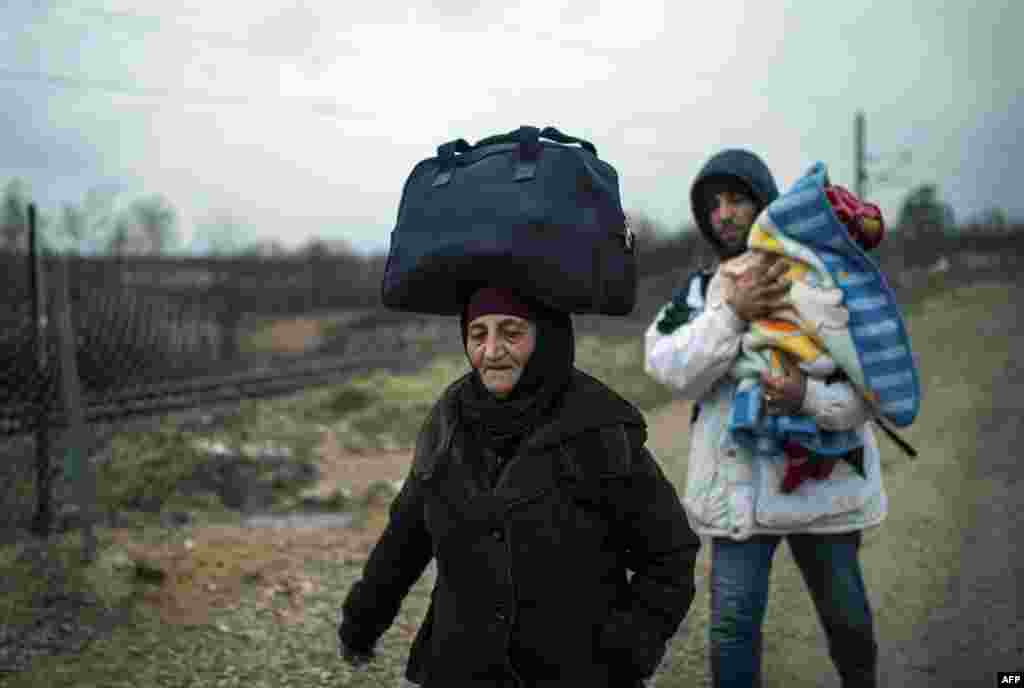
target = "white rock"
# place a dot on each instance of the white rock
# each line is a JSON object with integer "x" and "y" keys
{"x": 266, "y": 451}
{"x": 214, "y": 448}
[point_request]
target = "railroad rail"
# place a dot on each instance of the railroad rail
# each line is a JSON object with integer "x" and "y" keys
{"x": 264, "y": 381}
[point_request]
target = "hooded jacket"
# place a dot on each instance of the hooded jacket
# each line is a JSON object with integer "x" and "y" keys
{"x": 531, "y": 585}
{"x": 729, "y": 492}
{"x": 740, "y": 165}
{"x": 691, "y": 346}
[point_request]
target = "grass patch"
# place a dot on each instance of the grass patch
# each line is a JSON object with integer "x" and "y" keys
{"x": 145, "y": 469}
{"x": 254, "y": 644}
{"x": 619, "y": 363}
{"x": 348, "y": 400}
{"x": 338, "y": 500}
{"x": 383, "y": 411}
{"x": 36, "y": 571}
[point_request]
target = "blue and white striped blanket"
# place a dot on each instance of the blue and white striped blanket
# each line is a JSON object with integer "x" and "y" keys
{"x": 872, "y": 348}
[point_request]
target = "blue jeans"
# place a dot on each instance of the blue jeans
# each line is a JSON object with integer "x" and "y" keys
{"x": 739, "y": 596}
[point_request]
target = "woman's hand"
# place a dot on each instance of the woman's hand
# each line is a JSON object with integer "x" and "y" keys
{"x": 759, "y": 291}
{"x": 354, "y": 658}
{"x": 784, "y": 394}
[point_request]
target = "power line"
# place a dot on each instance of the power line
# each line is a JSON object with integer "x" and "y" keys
{"x": 324, "y": 108}
{"x": 156, "y": 24}
{"x": 863, "y": 178}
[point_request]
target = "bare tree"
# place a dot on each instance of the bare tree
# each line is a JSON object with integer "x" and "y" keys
{"x": 223, "y": 234}
{"x": 119, "y": 238}
{"x": 73, "y": 224}
{"x": 158, "y": 222}
{"x": 923, "y": 213}
{"x": 13, "y": 215}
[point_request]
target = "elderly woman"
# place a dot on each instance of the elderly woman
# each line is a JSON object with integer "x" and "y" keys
{"x": 532, "y": 488}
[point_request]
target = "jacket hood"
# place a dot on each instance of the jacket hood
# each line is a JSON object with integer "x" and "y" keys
{"x": 739, "y": 164}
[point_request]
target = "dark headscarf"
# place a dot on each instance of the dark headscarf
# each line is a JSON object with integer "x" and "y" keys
{"x": 502, "y": 424}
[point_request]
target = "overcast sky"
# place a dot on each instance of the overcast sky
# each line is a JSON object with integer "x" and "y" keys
{"x": 303, "y": 119}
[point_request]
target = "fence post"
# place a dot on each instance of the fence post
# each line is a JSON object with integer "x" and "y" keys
{"x": 42, "y": 522}
{"x": 78, "y": 468}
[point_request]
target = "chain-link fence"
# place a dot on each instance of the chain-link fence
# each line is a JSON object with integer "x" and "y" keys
{"x": 90, "y": 339}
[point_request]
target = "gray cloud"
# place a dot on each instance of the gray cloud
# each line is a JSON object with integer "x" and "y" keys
{"x": 303, "y": 119}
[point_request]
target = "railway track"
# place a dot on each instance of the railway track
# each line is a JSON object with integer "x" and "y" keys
{"x": 260, "y": 382}
{"x": 263, "y": 378}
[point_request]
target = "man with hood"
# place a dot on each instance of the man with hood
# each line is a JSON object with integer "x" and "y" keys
{"x": 733, "y": 498}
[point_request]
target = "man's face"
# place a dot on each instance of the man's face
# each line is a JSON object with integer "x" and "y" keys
{"x": 499, "y": 347}
{"x": 733, "y": 212}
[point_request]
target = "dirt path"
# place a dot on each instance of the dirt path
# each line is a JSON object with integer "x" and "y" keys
{"x": 979, "y": 628}
{"x": 356, "y": 471}
{"x": 943, "y": 572}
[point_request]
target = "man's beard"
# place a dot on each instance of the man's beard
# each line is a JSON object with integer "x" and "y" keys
{"x": 733, "y": 247}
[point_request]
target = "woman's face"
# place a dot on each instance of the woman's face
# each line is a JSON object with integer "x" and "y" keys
{"x": 498, "y": 347}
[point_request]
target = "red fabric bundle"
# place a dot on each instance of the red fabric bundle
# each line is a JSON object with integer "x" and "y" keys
{"x": 862, "y": 219}
{"x": 799, "y": 467}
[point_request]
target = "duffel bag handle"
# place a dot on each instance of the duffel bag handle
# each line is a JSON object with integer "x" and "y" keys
{"x": 524, "y": 136}
{"x": 526, "y": 167}
{"x": 558, "y": 137}
{"x": 446, "y": 157}
{"x": 446, "y": 151}
{"x": 528, "y": 139}
{"x": 528, "y": 135}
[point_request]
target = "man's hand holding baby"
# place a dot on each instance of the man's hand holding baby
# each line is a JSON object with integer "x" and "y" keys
{"x": 759, "y": 291}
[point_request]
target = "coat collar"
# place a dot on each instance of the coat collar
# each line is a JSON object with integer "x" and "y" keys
{"x": 588, "y": 406}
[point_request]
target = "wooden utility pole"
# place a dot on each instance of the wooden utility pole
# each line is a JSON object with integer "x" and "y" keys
{"x": 861, "y": 173}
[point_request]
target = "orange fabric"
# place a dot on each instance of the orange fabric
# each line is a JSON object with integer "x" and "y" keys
{"x": 778, "y": 325}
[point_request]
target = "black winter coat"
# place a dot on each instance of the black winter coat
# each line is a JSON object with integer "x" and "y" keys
{"x": 532, "y": 586}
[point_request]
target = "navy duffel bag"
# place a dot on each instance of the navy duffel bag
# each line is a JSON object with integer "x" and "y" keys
{"x": 540, "y": 217}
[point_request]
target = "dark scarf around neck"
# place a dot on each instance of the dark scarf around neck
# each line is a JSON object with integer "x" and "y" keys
{"x": 502, "y": 424}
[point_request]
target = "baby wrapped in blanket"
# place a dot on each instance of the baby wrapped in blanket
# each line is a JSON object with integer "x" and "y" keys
{"x": 814, "y": 308}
